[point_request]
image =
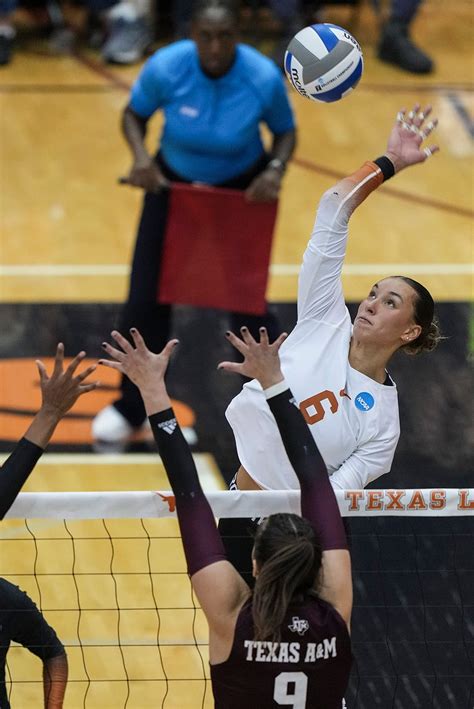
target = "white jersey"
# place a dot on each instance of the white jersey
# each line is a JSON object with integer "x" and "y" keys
{"x": 354, "y": 419}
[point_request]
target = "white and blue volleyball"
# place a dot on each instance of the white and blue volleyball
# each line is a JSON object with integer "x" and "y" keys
{"x": 324, "y": 62}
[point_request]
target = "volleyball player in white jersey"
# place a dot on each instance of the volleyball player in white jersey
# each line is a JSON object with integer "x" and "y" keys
{"x": 336, "y": 370}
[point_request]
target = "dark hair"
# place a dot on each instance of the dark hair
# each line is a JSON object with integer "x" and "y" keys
{"x": 288, "y": 556}
{"x": 231, "y": 7}
{"x": 423, "y": 314}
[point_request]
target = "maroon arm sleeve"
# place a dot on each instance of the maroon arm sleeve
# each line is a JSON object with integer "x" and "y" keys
{"x": 318, "y": 501}
{"x": 201, "y": 540}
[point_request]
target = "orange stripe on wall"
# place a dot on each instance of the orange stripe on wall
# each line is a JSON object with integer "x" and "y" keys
{"x": 20, "y": 393}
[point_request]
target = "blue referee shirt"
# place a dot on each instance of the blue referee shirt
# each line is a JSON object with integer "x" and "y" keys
{"x": 211, "y": 132}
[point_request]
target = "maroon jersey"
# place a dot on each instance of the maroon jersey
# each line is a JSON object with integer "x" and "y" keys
{"x": 308, "y": 669}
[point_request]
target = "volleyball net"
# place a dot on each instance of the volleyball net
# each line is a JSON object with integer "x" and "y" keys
{"x": 108, "y": 572}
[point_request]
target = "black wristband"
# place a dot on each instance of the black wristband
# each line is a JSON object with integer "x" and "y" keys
{"x": 387, "y": 167}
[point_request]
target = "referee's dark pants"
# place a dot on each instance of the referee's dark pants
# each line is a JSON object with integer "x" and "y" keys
{"x": 141, "y": 310}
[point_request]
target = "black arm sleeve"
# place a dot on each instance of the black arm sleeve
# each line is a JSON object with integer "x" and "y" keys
{"x": 15, "y": 471}
{"x": 201, "y": 540}
{"x": 26, "y": 624}
{"x": 318, "y": 501}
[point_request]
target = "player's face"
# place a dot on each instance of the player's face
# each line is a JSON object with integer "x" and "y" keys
{"x": 386, "y": 316}
{"x": 215, "y": 35}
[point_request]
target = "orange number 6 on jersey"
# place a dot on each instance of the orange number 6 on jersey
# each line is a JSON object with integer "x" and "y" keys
{"x": 315, "y": 403}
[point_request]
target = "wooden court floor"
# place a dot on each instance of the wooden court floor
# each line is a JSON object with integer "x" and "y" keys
{"x": 68, "y": 227}
{"x": 67, "y": 230}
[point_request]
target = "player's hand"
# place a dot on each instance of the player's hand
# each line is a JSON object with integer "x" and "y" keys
{"x": 144, "y": 368}
{"x": 146, "y": 175}
{"x": 404, "y": 146}
{"x": 61, "y": 390}
{"x": 261, "y": 359}
{"x": 265, "y": 187}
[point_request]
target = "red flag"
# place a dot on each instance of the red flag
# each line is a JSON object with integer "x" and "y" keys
{"x": 217, "y": 249}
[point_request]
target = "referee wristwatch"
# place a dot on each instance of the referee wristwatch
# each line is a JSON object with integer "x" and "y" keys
{"x": 276, "y": 164}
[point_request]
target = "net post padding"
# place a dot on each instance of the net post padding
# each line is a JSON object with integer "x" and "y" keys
{"x": 430, "y": 502}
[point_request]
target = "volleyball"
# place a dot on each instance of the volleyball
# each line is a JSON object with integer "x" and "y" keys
{"x": 324, "y": 62}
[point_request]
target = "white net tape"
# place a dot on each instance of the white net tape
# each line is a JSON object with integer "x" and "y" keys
{"x": 109, "y": 574}
{"x": 435, "y": 502}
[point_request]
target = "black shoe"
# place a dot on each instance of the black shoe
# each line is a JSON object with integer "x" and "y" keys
{"x": 397, "y": 48}
{"x": 7, "y": 38}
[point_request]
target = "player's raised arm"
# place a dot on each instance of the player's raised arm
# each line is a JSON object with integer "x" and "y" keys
{"x": 318, "y": 502}
{"x": 219, "y": 587}
{"x": 320, "y": 289}
{"x": 60, "y": 392}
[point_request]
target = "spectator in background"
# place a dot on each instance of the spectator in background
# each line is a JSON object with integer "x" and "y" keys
{"x": 395, "y": 45}
{"x": 128, "y": 28}
{"x": 199, "y": 84}
{"x": 181, "y": 11}
{"x": 22, "y": 622}
{"x": 7, "y": 29}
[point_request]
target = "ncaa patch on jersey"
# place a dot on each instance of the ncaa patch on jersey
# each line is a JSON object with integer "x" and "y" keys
{"x": 364, "y": 401}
